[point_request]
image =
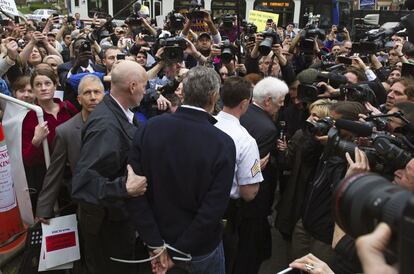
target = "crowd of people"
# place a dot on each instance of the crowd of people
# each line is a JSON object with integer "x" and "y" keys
{"x": 189, "y": 147}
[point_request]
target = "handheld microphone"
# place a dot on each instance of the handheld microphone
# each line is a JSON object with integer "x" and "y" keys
{"x": 358, "y": 128}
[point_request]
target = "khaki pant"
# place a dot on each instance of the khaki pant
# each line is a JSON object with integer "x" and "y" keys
{"x": 303, "y": 243}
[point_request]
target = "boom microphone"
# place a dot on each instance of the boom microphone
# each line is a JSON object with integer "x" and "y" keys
{"x": 358, "y": 128}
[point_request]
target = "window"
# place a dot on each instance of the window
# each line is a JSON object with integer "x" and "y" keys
{"x": 77, "y": 3}
{"x": 118, "y": 5}
{"x": 158, "y": 9}
{"x": 97, "y": 6}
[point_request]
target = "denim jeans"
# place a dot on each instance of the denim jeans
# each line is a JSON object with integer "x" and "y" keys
{"x": 212, "y": 263}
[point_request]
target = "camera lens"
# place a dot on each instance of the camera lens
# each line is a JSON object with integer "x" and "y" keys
{"x": 363, "y": 200}
{"x": 226, "y": 55}
{"x": 266, "y": 45}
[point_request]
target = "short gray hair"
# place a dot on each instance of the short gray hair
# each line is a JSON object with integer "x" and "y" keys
{"x": 198, "y": 86}
{"x": 87, "y": 79}
{"x": 269, "y": 87}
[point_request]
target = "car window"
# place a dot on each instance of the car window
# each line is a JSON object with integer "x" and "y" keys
{"x": 37, "y": 12}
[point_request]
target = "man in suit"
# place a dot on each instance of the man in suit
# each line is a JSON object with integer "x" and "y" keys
{"x": 255, "y": 238}
{"x": 67, "y": 145}
{"x": 101, "y": 183}
{"x": 189, "y": 164}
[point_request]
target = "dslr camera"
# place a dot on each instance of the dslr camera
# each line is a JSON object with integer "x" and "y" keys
{"x": 385, "y": 152}
{"x": 227, "y": 51}
{"x": 271, "y": 37}
{"x": 249, "y": 31}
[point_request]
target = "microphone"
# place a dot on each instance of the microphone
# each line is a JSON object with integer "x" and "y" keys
{"x": 358, "y": 128}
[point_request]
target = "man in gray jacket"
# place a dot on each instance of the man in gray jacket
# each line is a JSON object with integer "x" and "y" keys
{"x": 67, "y": 146}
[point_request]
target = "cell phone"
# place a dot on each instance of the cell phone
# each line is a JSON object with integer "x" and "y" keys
{"x": 4, "y": 22}
{"x": 120, "y": 56}
{"x": 344, "y": 60}
{"x": 16, "y": 19}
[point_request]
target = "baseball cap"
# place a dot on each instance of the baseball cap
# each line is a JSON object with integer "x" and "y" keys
{"x": 204, "y": 34}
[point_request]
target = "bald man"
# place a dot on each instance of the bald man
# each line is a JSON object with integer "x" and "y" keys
{"x": 102, "y": 181}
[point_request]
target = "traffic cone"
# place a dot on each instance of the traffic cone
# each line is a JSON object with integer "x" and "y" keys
{"x": 12, "y": 237}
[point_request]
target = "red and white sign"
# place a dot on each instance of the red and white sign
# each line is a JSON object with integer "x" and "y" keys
{"x": 60, "y": 243}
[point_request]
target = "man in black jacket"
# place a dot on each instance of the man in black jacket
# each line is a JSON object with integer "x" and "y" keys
{"x": 189, "y": 164}
{"x": 255, "y": 239}
{"x": 100, "y": 183}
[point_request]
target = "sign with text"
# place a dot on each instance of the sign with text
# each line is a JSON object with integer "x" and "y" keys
{"x": 259, "y": 18}
{"x": 9, "y": 6}
{"x": 60, "y": 243}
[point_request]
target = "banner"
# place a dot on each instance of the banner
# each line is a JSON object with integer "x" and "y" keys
{"x": 9, "y": 6}
{"x": 259, "y": 18}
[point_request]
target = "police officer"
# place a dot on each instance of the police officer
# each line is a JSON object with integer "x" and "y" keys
{"x": 236, "y": 94}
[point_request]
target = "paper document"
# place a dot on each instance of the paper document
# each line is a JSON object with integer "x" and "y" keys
{"x": 60, "y": 243}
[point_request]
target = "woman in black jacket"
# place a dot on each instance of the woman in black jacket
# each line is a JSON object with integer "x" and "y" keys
{"x": 301, "y": 155}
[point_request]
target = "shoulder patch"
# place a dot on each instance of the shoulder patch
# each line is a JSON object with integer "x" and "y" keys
{"x": 255, "y": 168}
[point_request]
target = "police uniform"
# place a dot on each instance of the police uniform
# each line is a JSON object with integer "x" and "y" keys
{"x": 247, "y": 171}
{"x": 247, "y": 153}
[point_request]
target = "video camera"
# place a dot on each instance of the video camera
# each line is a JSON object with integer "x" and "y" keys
{"x": 385, "y": 152}
{"x": 308, "y": 37}
{"x": 227, "y": 20}
{"x": 319, "y": 127}
{"x": 174, "y": 48}
{"x": 271, "y": 37}
{"x": 375, "y": 42}
{"x": 308, "y": 93}
{"x": 363, "y": 200}
{"x": 176, "y": 21}
{"x": 360, "y": 92}
{"x": 196, "y": 12}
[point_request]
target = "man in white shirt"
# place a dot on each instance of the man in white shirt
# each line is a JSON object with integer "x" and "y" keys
{"x": 236, "y": 94}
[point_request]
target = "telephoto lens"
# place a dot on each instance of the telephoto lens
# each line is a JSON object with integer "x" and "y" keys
{"x": 364, "y": 200}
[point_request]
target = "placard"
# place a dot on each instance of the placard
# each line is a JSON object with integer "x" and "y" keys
{"x": 259, "y": 18}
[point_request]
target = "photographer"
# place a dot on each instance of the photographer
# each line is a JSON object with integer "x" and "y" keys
{"x": 300, "y": 155}
{"x": 313, "y": 233}
{"x": 397, "y": 93}
{"x": 30, "y": 55}
{"x": 82, "y": 62}
{"x": 273, "y": 64}
{"x": 216, "y": 37}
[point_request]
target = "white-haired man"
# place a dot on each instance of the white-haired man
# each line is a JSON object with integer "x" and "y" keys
{"x": 268, "y": 97}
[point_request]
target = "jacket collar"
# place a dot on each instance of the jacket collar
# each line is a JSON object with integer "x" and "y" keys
{"x": 119, "y": 114}
{"x": 195, "y": 114}
{"x": 258, "y": 109}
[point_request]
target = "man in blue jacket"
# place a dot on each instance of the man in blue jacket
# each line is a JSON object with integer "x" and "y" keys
{"x": 189, "y": 165}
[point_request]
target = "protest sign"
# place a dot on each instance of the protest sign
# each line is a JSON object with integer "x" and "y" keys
{"x": 259, "y": 18}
